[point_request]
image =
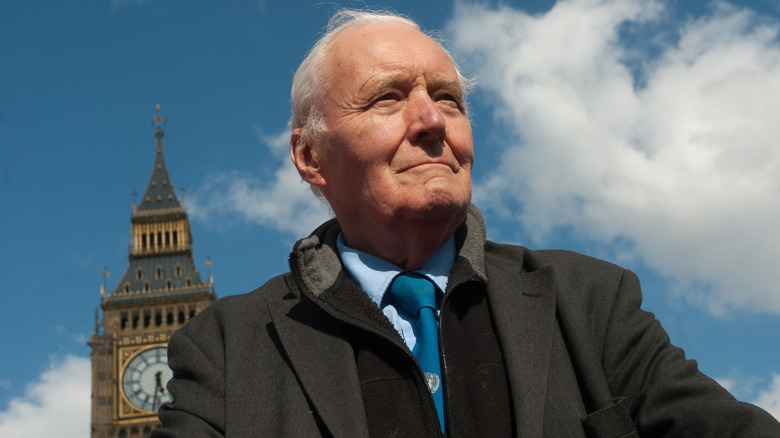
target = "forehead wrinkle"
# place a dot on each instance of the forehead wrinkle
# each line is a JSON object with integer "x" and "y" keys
{"x": 403, "y": 76}
{"x": 389, "y": 78}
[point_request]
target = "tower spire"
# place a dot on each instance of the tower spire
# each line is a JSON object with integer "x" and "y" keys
{"x": 159, "y": 121}
{"x": 160, "y": 193}
{"x": 160, "y": 253}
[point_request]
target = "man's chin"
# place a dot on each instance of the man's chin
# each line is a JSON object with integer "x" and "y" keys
{"x": 438, "y": 208}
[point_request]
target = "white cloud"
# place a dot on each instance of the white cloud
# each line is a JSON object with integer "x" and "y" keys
{"x": 676, "y": 152}
{"x": 770, "y": 399}
{"x": 742, "y": 386}
{"x": 281, "y": 201}
{"x": 728, "y": 383}
{"x": 57, "y": 404}
{"x": 750, "y": 389}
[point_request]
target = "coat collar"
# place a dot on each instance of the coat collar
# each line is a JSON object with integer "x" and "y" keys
{"x": 315, "y": 260}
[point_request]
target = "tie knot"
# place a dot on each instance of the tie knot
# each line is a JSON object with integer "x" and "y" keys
{"x": 413, "y": 292}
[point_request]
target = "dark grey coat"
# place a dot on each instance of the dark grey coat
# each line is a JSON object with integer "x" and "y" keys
{"x": 582, "y": 358}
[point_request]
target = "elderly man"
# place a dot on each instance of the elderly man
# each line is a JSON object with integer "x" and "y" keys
{"x": 398, "y": 318}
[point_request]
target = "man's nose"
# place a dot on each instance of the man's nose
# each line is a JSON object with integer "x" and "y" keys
{"x": 427, "y": 121}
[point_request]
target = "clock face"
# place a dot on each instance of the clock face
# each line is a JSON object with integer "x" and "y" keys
{"x": 145, "y": 377}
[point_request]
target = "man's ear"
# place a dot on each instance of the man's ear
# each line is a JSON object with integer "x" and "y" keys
{"x": 306, "y": 159}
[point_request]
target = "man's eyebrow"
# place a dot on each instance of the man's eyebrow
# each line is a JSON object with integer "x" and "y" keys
{"x": 394, "y": 81}
{"x": 389, "y": 80}
{"x": 447, "y": 84}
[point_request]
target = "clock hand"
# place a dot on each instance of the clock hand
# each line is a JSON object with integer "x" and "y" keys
{"x": 159, "y": 389}
{"x": 160, "y": 386}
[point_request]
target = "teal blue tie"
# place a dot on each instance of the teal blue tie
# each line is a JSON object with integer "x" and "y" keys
{"x": 418, "y": 295}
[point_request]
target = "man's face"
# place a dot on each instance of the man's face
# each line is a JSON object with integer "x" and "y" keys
{"x": 398, "y": 143}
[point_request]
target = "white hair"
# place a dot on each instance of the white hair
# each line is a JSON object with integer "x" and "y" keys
{"x": 310, "y": 83}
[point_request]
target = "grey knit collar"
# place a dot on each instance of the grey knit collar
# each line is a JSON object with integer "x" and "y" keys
{"x": 316, "y": 262}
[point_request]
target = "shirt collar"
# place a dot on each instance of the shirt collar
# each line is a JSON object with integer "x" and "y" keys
{"x": 374, "y": 275}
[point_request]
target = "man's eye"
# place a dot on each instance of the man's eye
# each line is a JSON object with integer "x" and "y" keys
{"x": 388, "y": 96}
{"x": 449, "y": 99}
{"x": 447, "y": 96}
{"x": 386, "y": 100}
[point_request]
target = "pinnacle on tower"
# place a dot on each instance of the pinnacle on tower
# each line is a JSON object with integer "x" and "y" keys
{"x": 160, "y": 193}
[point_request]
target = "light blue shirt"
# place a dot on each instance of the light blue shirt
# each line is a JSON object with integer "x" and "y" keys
{"x": 374, "y": 276}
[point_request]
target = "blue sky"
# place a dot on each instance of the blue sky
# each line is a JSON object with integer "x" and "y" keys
{"x": 643, "y": 132}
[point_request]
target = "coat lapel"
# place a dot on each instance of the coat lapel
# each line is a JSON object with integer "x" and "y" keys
{"x": 324, "y": 363}
{"x": 523, "y": 307}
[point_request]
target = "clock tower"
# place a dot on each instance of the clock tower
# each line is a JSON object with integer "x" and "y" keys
{"x": 160, "y": 290}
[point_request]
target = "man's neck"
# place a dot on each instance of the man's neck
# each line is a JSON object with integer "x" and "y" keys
{"x": 407, "y": 244}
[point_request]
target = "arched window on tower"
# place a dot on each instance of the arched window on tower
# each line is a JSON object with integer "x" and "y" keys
{"x": 167, "y": 239}
{"x": 158, "y": 272}
{"x": 143, "y": 241}
{"x": 168, "y": 284}
{"x": 175, "y": 238}
{"x": 147, "y": 286}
